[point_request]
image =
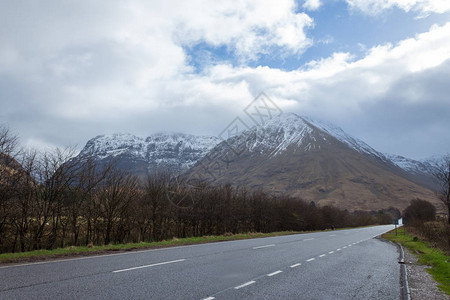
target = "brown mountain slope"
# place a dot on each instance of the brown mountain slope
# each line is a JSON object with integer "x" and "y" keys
{"x": 293, "y": 156}
{"x": 10, "y": 169}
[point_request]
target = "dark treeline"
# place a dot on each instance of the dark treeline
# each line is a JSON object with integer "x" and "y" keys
{"x": 49, "y": 201}
{"x": 422, "y": 221}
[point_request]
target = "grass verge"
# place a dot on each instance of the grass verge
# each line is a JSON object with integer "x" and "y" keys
{"x": 40, "y": 255}
{"x": 439, "y": 262}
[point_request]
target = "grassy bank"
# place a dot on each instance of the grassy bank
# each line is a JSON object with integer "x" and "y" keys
{"x": 439, "y": 262}
{"x": 39, "y": 255}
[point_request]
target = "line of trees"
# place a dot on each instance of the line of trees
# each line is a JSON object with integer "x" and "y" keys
{"x": 423, "y": 222}
{"x": 49, "y": 200}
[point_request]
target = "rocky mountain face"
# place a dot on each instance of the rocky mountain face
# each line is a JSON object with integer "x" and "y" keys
{"x": 164, "y": 152}
{"x": 313, "y": 160}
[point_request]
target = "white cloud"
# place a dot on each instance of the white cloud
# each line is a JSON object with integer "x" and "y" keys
{"x": 312, "y": 4}
{"x": 247, "y": 27}
{"x": 103, "y": 60}
{"x": 70, "y": 73}
{"x": 424, "y": 7}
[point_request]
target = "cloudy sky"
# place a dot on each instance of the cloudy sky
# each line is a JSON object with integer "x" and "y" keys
{"x": 380, "y": 69}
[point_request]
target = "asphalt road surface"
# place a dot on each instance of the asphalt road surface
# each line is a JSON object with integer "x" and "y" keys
{"x": 341, "y": 264}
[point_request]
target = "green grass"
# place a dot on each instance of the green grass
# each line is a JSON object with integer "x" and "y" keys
{"x": 439, "y": 262}
{"x": 83, "y": 250}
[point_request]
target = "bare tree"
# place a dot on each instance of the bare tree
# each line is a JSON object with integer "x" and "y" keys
{"x": 443, "y": 176}
{"x": 117, "y": 192}
{"x": 22, "y": 204}
{"x": 10, "y": 173}
{"x": 8, "y": 141}
{"x": 53, "y": 177}
{"x": 87, "y": 176}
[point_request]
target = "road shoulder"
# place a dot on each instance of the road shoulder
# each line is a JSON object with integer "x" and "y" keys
{"x": 421, "y": 284}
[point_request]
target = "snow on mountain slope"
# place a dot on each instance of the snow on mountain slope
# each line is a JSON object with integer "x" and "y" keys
{"x": 277, "y": 135}
{"x": 411, "y": 165}
{"x": 339, "y": 134}
{"x": 111, "y": 145}
{"x": 174, "y": 151}
{"x": 291, "y": 129}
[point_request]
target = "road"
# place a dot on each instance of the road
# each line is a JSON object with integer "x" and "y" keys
{"x": 341, "y": 264}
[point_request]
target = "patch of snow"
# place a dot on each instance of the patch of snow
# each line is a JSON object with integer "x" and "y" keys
{"x": 291, "y": 129}
{"x": 340, "y": 135}
{"x": 411, "y": 165}
{"x": 160, "y": 148}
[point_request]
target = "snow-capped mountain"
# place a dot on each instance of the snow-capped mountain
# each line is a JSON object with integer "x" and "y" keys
{"x": 315, "y": 160}
{"x": 173, "y": 152}
{"x": 411, "y": 165}
{"x": 305, "y": 133}
{"x": 421, "y": 171}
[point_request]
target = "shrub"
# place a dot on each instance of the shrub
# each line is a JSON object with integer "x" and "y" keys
{"x": 420, "y": 211}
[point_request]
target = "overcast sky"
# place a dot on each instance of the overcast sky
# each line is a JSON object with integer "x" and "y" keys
{"x": 379, "y": 69}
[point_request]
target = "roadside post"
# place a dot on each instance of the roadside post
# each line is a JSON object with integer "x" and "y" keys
{"x": 395, "y": 222}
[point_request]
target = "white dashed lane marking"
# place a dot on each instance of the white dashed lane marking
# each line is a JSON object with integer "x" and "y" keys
{"x": 296, "y": 265}
{"x": 265, "y": 246}
{"x": 244, "y": 285}
{"x": 274, "y": 273}
{"x": 152, "y": 265}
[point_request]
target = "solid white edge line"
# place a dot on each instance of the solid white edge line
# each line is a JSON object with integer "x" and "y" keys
{"x": 244, "y": 285}
{"x": 274, "y": 273}
{"x": 310, "y": 239}
{"x": 296, "y": 265}
{"x": 311, "y": 259}
{"x": 152, "y": 265}
{"x": 265, "y": 246}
